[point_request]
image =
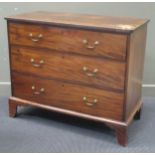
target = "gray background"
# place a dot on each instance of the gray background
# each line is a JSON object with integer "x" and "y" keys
{"x": 142, "y": 10}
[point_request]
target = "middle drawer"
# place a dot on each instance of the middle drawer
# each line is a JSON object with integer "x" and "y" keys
{"x": 102, "y": 73}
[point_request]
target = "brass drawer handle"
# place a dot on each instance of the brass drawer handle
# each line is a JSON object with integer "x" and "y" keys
{"x": 35, "y": 38}
{"x": 88, "y": 72}
{"x": 37, "y": 65}
{"x": 87, "y": 45}
{"x": 88, "y": 103}
{"x": 42, "y": 90}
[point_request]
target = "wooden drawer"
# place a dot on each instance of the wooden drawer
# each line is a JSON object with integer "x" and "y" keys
{"x": 69, "y": 40}
{"x": 102, "y": 73}
{"x": 68, "y": 96}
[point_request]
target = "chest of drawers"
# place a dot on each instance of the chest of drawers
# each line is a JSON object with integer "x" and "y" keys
{"x": 81, "y": 65}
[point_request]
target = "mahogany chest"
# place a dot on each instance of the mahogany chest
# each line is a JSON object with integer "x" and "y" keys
{"x": 81, "y": 65}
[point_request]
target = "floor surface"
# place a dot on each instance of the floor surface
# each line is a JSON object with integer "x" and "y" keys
{"x": 36, "y": 130}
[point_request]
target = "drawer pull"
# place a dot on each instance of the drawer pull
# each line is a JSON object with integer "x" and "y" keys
{"x": 42, "y": 90}
{"x": 86, "y": 43}
{"x": 37, "y": 65}
{"x": 35, "y": 38}
{"x": 88, "y": 73}
{"x": 88, "y": 103}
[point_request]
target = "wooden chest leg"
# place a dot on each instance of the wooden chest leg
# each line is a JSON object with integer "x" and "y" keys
{"x": 12, "y": 108}
{"x": 121, "y": 133}
{"x": 122, "y": 136}
{"x": 138, "y": 113}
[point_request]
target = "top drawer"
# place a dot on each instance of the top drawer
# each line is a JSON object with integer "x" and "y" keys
{"x": 83, "y": 42}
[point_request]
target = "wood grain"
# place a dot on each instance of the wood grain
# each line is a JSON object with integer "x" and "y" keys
{"x": 69, "y": 96}
{"x": 110, "y": 74}
{"x": 136, "y": 52}
{"x": 23, "y": 102}
{"x": 66, "y": 43}
{"x": 70, "y": 40}
{"x": 114, "y": 24}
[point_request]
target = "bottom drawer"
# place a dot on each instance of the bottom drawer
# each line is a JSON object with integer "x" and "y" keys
{"x": 78, "y": 98}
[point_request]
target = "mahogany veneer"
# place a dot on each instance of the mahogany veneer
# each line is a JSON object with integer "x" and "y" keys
{"x": 82, "y": 65}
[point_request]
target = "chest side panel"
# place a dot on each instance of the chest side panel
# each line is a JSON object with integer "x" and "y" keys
{"x": 135, "y": 67}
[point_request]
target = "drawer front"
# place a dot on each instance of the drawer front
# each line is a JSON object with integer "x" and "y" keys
{"x": 68, "y": 96}
{"x": 106, "y": 74}
{"x": 69, "y": 40}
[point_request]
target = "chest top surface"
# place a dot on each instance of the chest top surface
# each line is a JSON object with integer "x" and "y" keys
{"x": 118, "y": 24}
